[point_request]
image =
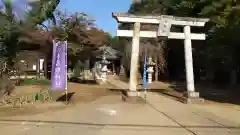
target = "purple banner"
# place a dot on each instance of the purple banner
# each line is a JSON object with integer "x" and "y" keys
{"x": 59, "y": 66}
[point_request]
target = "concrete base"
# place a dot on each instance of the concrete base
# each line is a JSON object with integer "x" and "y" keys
{"x": 132, "y": 93}
{"x": 132, "y": 97}
{"x": 193, "y": 98}
{"x": 100, "y": 81}
{"x": 191, "y": 94}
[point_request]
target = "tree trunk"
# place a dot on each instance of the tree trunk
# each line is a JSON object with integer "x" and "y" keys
{"x": 233, "y": 77}
{"x": 45, "y": 66}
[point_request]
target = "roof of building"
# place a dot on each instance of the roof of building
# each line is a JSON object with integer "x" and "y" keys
{"x": 109, "y": 52}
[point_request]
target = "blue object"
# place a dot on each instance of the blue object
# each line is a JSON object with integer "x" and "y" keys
{"x": 145, "y": 73}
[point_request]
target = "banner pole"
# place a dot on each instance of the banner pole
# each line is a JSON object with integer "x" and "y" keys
{"x": 66, "y": 66}
{"x": 145, "y": 78}
{"x": 53, "y": 55}
{"x": 145, "y": 95}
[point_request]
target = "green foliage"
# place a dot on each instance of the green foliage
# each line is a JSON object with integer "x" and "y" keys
{"x": 155, "y": 7}
{"x": 116, "y": 43}
{"x": 42, "y": 10}
{"x": 35, "y": 82}
{"x": 223, "y": 29}
{"x": 11, "y": 29}
{"x": 80, "y": 32}
{"x": 9, "y": 33}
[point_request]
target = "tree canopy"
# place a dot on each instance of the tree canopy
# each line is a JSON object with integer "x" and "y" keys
{"x": 79, "y": 30}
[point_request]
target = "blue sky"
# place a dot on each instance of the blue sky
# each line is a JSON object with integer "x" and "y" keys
{"x": 100, "y": 10}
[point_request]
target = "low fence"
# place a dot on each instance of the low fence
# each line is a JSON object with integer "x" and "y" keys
{"x": 20, "y": 100}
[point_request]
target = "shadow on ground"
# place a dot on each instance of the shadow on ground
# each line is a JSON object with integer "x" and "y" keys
{"x": 67, "y": 97}
{"x": 211, "y": 93}
{"x": 82, "y": 81}
{"x": 178, "y": 90}
{"x": 169, "y": 93}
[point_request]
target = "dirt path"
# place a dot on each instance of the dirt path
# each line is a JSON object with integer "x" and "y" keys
{"x": 83, "y": 93}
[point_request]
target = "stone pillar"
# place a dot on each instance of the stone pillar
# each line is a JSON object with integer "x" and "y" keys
{"x": 189, "y": 64}
{"x": 87, "y": 71}
{"x": 104, "y": 69}
{"x": 41, "y": 69}
{"x": 104, "y": 73}
{"x": 134, "y": 60}
{"x": 149, "y": 77}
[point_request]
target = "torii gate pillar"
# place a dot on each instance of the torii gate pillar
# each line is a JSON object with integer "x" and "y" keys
{"x": 164, "y": 23}
{"x": 134, "y": 60}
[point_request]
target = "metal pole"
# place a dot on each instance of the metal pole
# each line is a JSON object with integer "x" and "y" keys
{"x": 145, "y": 78}
{"x": 66, "y": 62}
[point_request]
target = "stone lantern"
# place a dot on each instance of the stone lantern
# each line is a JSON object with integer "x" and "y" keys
{"x": 150, "y": 65}
{"x": 104, "y": 69}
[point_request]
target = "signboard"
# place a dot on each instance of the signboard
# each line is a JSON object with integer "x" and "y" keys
{"x": 164, "y": 27}
{"x": 59, "y": 70}
{"x": 34, "y": 67}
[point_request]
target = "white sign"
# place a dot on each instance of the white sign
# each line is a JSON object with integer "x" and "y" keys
{"x": 41, "y": 64}
{"x": 34, "y": 67}
{"x": 164, "y": 27}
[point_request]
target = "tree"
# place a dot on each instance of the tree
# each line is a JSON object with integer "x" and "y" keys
{"x": 222, "y": 41}
{"x": 12, "y": 27}
{"x": 116, "y": 43}
{"x": 16, "y": 22}
{"x": 81, "y": 33}
{"x": 79, "y": 30}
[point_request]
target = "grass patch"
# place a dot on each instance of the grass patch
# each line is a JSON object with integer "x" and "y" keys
{"x": 35, "y": 82}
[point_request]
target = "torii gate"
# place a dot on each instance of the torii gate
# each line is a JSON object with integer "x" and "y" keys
{"x": 165, "y": 23}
